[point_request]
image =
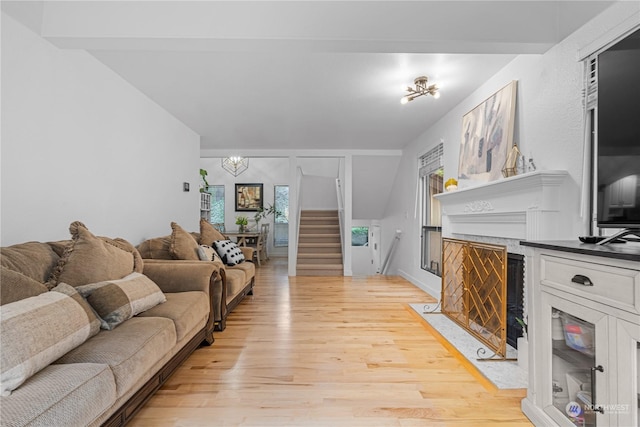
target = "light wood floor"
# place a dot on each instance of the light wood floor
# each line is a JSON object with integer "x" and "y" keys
{"x": 328, "y": 351}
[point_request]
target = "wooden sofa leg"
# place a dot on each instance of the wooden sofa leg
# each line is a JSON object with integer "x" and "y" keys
{"x": 221, "y": 325}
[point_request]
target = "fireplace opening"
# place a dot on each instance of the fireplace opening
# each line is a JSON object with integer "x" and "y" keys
{"x": 515, "y": 297}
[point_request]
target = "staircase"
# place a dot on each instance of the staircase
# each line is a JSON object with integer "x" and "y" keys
{"x": 319, "y": 247}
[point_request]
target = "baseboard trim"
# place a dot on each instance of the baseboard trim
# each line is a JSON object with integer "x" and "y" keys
{"x": 431, "y": 290}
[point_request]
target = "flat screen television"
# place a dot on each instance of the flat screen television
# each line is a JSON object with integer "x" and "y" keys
{"x": 618, "y": 136}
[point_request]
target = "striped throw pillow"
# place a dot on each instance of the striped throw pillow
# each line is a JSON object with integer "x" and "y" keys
{"x": 116, "y": 301}
{"x": 38, "y": 330}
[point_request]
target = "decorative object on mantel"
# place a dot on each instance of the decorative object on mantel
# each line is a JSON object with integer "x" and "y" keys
{"x": 510, "y": 167}
{"x": 422, "y": 88}
{"x": 249, "y": 197}
{"x": 487, "y": 134}
{"x": 235, "y": 165}
{"x": 451, "y": 184}
{"x": 532, "y": 166}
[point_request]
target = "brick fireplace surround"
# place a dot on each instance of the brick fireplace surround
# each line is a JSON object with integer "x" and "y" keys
{"x": 507, "y": 211}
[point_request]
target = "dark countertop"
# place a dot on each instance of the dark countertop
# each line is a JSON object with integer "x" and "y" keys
{"x": 629, "y": 251}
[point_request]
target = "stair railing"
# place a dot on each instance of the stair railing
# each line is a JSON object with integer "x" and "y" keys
{"x": 390, "y": 252}
{"x": 343, "y": 233}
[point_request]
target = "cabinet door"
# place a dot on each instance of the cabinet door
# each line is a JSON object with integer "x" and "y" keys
{"x": 577, "y": 373}
{"x": 627, "y": 406}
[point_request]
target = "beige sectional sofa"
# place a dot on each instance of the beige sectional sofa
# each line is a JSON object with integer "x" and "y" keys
{"x": 90, "y": 331}
{"x": 235, "y": 282}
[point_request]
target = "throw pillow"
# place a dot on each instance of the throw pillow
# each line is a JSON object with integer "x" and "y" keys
{"x": 90, "y": 259}
{"x": 39, "y": 330}
{"x": 207, "y": 253}
{"x": 183, "y": 245}
{"x": 208, "y": 233}
{"x": 229, "y": 252}
{"x": 116, "y": 301}
{"x": 33, "y": 259}
{"x": 16, "y": 286}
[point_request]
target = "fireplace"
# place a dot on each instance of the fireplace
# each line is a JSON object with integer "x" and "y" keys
{"x": 530, "y": 206}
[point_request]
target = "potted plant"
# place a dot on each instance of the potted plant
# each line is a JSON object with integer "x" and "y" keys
{"x": 265, "y": 212}
{"x": 241, "y": 222}
{"x": 205, "y": 185}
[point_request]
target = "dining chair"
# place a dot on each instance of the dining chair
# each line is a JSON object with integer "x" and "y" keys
{"x": 264, "y": 232}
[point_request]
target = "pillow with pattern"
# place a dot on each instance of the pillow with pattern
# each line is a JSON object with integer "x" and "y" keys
{"x": 229, "y": 252}
{"x": 207, "y": 253}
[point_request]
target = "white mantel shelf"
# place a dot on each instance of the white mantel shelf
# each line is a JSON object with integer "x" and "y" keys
{"x": 527, "y": 206}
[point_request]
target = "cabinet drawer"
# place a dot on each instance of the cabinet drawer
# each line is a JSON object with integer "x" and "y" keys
{"x": 613, "y": 286}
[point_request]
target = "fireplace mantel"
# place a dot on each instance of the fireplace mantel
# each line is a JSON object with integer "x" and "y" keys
{"x": 527, "y": 206}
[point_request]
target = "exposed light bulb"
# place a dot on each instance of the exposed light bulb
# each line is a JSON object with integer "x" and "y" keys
{"x": 436, "y": 95}
{"x": 404, "y": 100}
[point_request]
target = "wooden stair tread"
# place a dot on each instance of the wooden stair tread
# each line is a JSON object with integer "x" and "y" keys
{"x": 320, "y": 267}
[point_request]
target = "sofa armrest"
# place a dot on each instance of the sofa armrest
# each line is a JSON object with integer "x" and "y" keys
{"x": 181, "y": 276}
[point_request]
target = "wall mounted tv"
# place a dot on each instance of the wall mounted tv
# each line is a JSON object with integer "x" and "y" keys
{"x": 618, "y": 136}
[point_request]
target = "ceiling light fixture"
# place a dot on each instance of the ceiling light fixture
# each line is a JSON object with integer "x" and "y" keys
{"x": 235, "y": 165}
{"x": 422, "y": 88}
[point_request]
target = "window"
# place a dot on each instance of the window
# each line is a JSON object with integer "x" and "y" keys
{"x": 431, "y": 173}
{"x": 217, "y": 203}
{"x": 359, "y": 236}
{"x": 281, "y": 222}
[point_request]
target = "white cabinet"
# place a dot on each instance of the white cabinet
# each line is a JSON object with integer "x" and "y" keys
{"x": 205, "y": 206}
{"x": 584, "y": 330}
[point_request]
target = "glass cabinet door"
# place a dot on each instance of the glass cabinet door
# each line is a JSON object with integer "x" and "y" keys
{"x": 578, "y": 378}
{"x": 627, "y": 407}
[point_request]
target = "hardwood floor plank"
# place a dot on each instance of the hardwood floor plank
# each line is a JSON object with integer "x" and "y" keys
{"x": 329, "y": 351}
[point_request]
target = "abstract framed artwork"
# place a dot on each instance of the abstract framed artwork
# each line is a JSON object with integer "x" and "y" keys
{"x": 249, "y": 197}
{"x": 487, "y": 136}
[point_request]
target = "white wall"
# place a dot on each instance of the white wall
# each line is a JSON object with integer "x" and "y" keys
{"x": 319, "y": 192}
{"x": 549, "y": 127}
{"x": 266, "y": 171}
{"x": 80, "y": 143}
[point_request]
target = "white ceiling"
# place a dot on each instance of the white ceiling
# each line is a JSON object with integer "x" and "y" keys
{"x": 304, "y": 74}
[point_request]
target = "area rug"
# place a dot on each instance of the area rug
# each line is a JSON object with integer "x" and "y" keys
{"x": 502, "y": 374}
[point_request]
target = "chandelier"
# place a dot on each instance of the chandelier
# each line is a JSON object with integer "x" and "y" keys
{"x": 422, "y": 88}
{"x": 235, "y": 165}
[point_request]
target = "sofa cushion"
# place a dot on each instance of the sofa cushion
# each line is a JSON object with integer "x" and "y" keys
{"x": 208, "y": 233}
{"x": 61, "y": 395}
{"x": 236, "y": 282}
{"x": 229, "y": 252}
{"x": 116, "y": 301}
{"x": 106, "y": 258}
{"x": 37, "y": 330}
{"x": 33, "y": 259}
{"x": 156, "y": 248}
{"x": 248, "y": 268}
{"x": 183, "y": 245}
{"x": 17, "y": 286}
{"x": 207, "y": 253}
{"x": 130, "y": 349}
{"x": 189, "y": 312}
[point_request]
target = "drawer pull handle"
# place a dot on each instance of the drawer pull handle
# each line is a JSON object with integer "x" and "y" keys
{"x": 582, "y": 280}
